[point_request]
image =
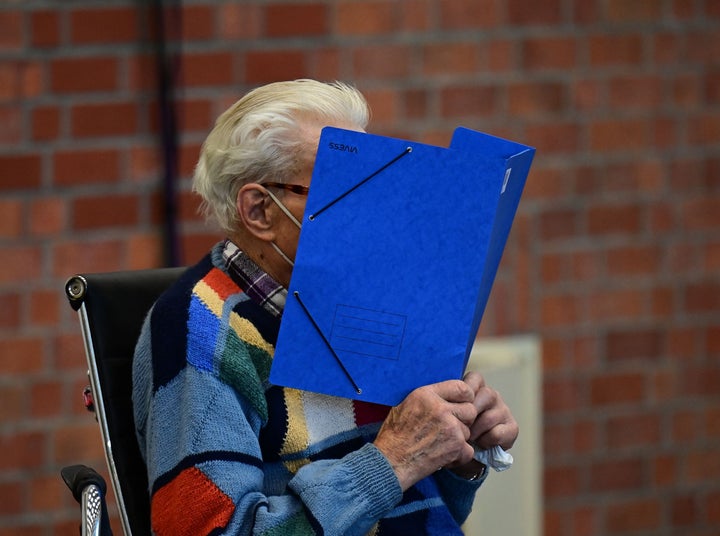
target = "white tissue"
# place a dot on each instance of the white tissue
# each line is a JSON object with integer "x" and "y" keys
{"x": 495, "y": 457}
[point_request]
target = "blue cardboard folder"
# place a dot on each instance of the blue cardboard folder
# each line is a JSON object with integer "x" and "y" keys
{"x": 398, "y": 251}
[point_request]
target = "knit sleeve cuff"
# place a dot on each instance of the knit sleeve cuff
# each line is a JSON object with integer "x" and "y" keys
{"x": 348, "y": 496}
{"x": 458, "y": 492}
{"x": 374, "y": 479}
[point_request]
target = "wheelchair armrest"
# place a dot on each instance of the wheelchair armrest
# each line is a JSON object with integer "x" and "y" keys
{"x": 89, "y": 488}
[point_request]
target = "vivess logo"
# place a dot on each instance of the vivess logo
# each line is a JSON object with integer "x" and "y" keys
{"x": 342, "y": 147}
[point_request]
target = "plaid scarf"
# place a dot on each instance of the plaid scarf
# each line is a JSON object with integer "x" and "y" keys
{"x": 258, "y": 285}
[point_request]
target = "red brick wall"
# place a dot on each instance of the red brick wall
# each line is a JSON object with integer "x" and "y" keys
{"x": 614, "y": 258}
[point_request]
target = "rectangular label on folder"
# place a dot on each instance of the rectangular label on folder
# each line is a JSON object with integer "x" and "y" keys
{"x": 367, "y": 332}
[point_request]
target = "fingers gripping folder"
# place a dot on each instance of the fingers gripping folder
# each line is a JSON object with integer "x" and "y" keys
{"x": 399, "y": 248}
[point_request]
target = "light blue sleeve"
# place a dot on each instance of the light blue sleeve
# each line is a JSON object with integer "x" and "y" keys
{"x": 206, "y": 469}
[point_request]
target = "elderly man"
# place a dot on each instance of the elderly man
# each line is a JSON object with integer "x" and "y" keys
{"x": 229, "y": 453}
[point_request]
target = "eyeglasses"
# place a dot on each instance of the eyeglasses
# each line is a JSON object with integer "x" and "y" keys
{"x": 298, "y": 189}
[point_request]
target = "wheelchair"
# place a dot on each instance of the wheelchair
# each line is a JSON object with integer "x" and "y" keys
{"x": 111, "y": 309}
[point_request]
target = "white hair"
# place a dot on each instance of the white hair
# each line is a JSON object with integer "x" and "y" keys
{"x": 261, "y": 136}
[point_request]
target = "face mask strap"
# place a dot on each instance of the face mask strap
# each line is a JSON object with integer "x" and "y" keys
{"x": 280, "y": 252}
{"x": 284, "y": 209}
{"x": 292, "y": 218}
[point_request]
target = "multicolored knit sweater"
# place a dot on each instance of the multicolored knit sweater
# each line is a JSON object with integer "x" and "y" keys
{"x": 228, "y": 453}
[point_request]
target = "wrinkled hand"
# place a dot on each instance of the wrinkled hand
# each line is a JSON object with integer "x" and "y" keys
{"x": 431, "y": 429}
{"x": 436, "y": 425}
{"x": 494, "y": 424}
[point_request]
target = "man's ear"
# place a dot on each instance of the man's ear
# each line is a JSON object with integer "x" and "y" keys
{"x": 255, "y": 212}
